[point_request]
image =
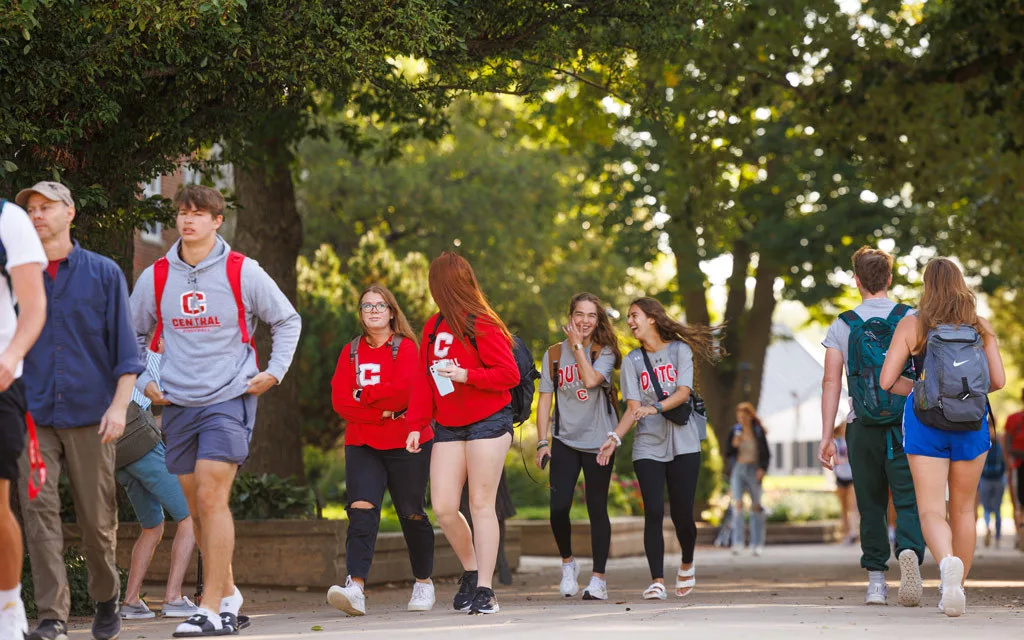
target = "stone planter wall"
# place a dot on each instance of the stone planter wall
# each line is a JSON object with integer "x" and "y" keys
{"x": 298, "y": 553}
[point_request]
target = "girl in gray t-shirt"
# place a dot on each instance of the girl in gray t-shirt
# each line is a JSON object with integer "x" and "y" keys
{"x": 664, "y": 453}
{"x": 576, "y": 376}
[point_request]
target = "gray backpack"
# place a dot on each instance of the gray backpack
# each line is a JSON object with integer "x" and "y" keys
{"x": 951, "y": 390}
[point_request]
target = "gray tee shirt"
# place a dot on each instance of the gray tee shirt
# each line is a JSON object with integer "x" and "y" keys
{"x": 838, "y": 336}
{"x": 657, "y": 438}
{"x": 585, "y": 417}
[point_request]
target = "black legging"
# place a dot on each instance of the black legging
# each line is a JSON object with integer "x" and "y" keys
{"x": 681, "y": 475}
{"x": 566, "y": 464}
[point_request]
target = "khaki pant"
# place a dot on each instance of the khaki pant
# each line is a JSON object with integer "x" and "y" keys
{"x": 90, "y": 467}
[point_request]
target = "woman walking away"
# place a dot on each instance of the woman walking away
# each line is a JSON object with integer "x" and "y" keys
{"x": 657, "y": 383}
{"x": 945, "y": 430}
{"x": 370, "y": 391}
{"x": 993, "y": 485}
{"x": 579, "y": 370}
{"x": 748, "y": 449}
{"x": 468, "y": 352}
{"x": 844, "y": 487}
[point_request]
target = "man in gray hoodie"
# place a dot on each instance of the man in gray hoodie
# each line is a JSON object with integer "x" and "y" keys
{"x": 196, "y": 299}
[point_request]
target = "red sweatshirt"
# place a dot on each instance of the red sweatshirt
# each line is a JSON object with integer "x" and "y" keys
{"x": 387, "y": 385}
{"x": 491, "y": 373}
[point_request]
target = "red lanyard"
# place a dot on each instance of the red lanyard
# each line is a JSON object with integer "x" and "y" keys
{"x": 35, "y": 460}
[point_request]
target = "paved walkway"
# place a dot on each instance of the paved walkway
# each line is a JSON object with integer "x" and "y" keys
{"x": 790, "y": 592}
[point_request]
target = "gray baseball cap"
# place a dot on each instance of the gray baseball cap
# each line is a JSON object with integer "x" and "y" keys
{"x": 54, "y": 191}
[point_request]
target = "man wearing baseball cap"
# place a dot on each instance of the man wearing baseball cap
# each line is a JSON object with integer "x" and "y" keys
{"x": 78, "y": 378}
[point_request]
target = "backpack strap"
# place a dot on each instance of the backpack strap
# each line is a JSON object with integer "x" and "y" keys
{"x": 161, "y": 268}
{"x": 235, "y": 261}
{"x": 851, "y": 319}
{"x": 396, "y": 342}
{"x": 554, "y": 355}
{"x": 471, "y": 331}
{"x": 3, "y": 260}
{"x": 353, "y": 355}
{"x": 898, "y": 312}
{"x": 437, "y": 325}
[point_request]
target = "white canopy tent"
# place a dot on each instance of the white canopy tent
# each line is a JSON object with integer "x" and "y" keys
{"x": 790, "y": 404}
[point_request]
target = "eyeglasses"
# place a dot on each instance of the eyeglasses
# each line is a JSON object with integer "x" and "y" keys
{"x": 378, "y": 306}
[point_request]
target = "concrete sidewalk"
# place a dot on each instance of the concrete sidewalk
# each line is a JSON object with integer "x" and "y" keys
{"x": 791, "y": 591}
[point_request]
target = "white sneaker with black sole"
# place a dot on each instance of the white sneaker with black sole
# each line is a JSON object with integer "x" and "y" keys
{"x": 349, "y": 598}
{"x": 910, "y": 579}
{"x": 596, "y": 590}
{"x": 569, "y": 586}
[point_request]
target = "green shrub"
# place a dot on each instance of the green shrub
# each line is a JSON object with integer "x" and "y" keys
{"x": 801, "y": 506}
{"x": 268, "y": 497}
{"x": 528, "y": 486}
{"x": 709, "y": 481}
{"x": 325, "y": 474}
{"x": 78, "y": 583}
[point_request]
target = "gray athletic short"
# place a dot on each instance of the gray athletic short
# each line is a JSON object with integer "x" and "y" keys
{"x": 214, "y": 432}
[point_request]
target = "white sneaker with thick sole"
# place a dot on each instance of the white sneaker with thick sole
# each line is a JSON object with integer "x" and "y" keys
{"x": 910, "y": 580}
{"x": 422, "y": 596}
{"x": 596, "y": 590}
{"x": 349, "y": 598}
{"x": 953, "y": 601}
{"x": 878, "y": 590}
{"x": 569, "y": 586}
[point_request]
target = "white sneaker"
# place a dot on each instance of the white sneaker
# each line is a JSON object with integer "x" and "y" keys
{"x": 737, "y": 549}
{"x": 596, "y": 590}
{"x": 13, "y": 623}
{"x": 910, "y": 580}
{"x": 422, "y": 596}
{"x": 758, "y": 550}
{"x": 877, "y": 588}
{"x": 953, "y": 601}
{"x": 569, "y": 586}
{"x": 349, "y": 598}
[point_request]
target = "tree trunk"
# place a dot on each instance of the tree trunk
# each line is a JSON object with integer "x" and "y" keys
{"x": 269, "y": 230}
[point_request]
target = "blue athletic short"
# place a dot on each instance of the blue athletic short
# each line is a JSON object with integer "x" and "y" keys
{"x": 921, "y": 440}
{"x": 152, "y": 489}
{"x": 218, "y": 432}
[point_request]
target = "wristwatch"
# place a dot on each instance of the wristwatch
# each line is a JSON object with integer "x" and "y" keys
{"x": 577, "y": 347}
{"x": 357, "y": 394}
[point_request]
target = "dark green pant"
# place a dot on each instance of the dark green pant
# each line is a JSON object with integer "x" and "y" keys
{"x": 879, "y": 464}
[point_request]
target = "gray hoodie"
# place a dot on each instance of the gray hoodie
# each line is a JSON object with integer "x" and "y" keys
{"x": 205, "y": 360}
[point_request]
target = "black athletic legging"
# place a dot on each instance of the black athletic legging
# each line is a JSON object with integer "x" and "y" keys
{"x": 681, "y": 476}
{"x": 566, "y": 464}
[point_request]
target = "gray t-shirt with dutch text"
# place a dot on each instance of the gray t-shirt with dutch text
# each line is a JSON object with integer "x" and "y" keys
{"x": 584, "y": 415}
{"x": 657, "y": 438}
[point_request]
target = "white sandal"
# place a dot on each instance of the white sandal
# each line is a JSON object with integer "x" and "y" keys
{"x": 655, "y": 592}
{"x": 686, "y": 580}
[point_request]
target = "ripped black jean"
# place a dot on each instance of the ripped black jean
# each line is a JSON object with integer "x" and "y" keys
{"x": 368, "y": 472}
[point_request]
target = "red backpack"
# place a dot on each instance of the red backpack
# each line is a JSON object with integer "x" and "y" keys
{"x": 161, "y": 268}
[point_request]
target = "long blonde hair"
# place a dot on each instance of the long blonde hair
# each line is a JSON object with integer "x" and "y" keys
{"x": 945, "y": 299}
{"x": 399, "y": 324}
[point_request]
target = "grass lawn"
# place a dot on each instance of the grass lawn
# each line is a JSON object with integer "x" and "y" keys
{"x": 796, "y": 483}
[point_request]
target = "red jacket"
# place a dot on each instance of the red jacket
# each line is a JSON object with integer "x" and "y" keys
{"x": 491, "y": 373}
{"x": 387, "y": 385}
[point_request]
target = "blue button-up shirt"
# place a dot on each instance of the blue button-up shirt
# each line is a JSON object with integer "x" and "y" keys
{"x": 88, "y": 342}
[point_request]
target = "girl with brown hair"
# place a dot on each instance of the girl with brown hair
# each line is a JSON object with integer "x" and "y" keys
{"x": 371, "y": 389}
{"x": 748, "y": 452}
{"x": 579, "y": 370}
{"x": 938, "y": 456}
{"x": 468, "y": 352}
{"x": 667, "y": 447}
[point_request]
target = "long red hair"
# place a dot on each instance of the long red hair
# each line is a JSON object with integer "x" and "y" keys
{"x": 457, "y": 294}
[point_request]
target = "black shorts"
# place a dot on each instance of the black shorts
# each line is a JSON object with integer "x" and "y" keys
{"x": 12, "y": 429}
{"x": 843, "y": 483}
{"x": 493, "y": 426}
{"x": 1020, "y": 484}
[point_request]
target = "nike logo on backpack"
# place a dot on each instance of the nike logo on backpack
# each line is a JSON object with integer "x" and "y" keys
{"x": 957, "y": 364}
